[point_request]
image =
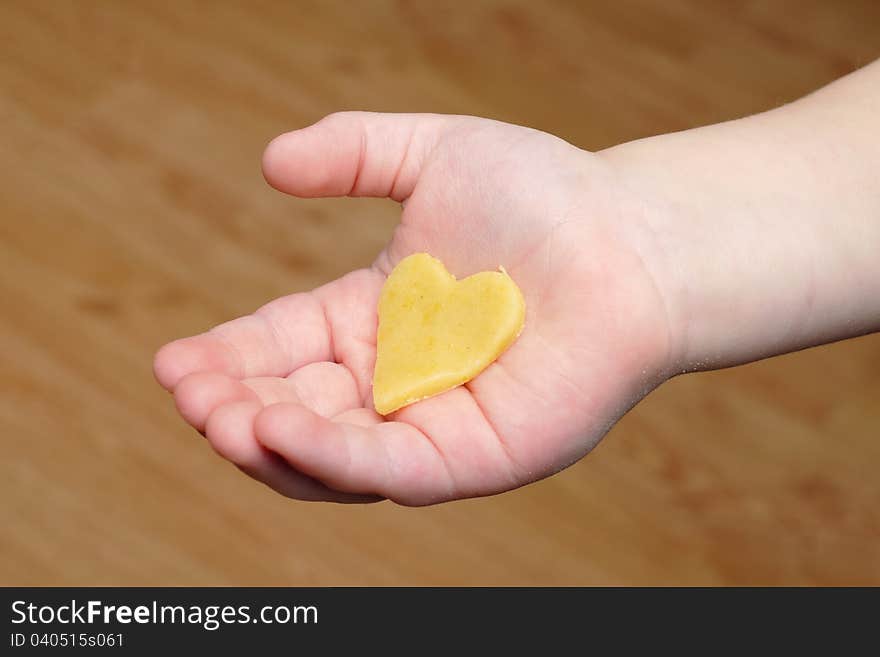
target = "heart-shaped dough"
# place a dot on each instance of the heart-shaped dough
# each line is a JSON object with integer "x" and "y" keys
{"x": 436, "y": 333}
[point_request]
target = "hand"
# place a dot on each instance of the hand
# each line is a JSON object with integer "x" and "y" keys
{"x": 285, "y": 393}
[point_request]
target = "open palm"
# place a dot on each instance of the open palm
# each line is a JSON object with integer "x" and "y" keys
{"x": 285, "y": 393}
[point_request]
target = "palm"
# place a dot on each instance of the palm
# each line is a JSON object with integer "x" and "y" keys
{"x": 285, "y": 394}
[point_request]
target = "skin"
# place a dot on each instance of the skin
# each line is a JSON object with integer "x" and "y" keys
{"x": 695, "y": 250}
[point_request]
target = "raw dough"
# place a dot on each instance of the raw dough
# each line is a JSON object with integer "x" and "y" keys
{"x": 436, "y": 333}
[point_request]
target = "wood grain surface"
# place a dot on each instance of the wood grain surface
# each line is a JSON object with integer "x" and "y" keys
{"x": 134, "y": 212}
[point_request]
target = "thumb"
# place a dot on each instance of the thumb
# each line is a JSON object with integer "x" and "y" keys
{"x": 354, "y": 154}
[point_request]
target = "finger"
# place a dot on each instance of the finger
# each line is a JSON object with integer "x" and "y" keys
{"x": 335, "y": 322}
{"x": 281, "y": 336}
{"x": 230, "y": 432}
{"x": 198, "y": 394}
{"x": 354, "y": 154}
{"x": 390, "y": 459}
{"x": 326, "y": 388}
{"x": 350, "y": 308}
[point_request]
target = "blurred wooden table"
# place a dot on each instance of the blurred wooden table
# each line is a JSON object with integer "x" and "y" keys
{"x": 133, "y": 212}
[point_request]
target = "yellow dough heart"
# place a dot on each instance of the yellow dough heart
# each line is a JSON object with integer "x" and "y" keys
{"x": 436, "y": 333}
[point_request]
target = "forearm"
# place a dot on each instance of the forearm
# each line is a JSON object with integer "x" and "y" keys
{"x": 767, "y": 228}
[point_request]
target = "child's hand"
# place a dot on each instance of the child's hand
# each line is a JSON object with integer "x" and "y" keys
{"x": 695, "y": 250}
{"x": 285, "y": 393}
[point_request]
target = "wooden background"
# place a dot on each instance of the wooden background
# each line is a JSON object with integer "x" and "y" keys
{"x": 134, "y": 212}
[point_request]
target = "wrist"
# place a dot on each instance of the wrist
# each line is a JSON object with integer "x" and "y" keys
{"x": 767, "y": 230}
